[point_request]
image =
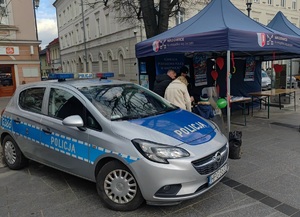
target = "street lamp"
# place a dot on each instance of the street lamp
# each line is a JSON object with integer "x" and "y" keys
{"x": 36, "y": 4}
{"x": 248, "y": 4}
{"x": 84, "y": 38}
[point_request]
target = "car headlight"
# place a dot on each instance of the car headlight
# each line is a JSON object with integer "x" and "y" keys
{"x": 159, "y": 153}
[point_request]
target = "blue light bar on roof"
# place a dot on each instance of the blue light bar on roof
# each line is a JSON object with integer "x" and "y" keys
{"x": 60, "y": 76}
{"x": 105, "y": 75}
{"x": 85, "y": 75}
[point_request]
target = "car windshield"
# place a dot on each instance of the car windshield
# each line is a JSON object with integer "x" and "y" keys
{"x": 264, "y": 74}
{"x": 126, "y": 101}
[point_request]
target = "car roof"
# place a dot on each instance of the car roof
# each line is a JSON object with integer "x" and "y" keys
{"x": 78, "y": 83}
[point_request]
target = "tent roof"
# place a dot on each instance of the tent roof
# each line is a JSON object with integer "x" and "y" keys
{"x": 282, "y": 24}
{"x": 219, "y": 27}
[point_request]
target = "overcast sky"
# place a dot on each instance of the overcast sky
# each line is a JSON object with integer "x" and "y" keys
{"x": 46, "y": 22}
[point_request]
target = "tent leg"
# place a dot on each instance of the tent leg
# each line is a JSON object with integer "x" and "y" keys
{"x": 228, "y": 90}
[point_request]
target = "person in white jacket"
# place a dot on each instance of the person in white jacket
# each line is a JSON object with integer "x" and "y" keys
{"x": 177, "y": 93}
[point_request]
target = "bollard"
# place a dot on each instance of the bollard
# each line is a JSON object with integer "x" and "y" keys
{"x": 235, "y": 143}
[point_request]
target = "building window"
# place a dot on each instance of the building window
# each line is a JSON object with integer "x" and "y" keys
{"x": 73, "y": 38}
{"x": 100, "y": 63}
{"x": 67, "y": 15}
{"x": 62, "y": 42}
{"x": 270, "y": 2}
{"x": 87, "y": 29}
{"x": 81, "y": 32}
{"x": 97, "y": 18}
{"x": 71, "y": 11}
{"x": 90, "y": 63}
{"x": 282, "y": 3}
{"x": 294, "y": 5}
{"x": 108, "y": 23}
{"x": 77, "y": 34}
{"x": 70, "y": 39}
{"x": 97, "y": 27}
{"x": 109, "y": 63}
{"x": 64, "y": 18}
{"x": 59, "y": 20}
{"x": 180, "y": 16}
{"x": 67, "y": 41}
{"x": 121, "y": 64}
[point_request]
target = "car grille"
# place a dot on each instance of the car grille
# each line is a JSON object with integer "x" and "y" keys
{"x": 210, "y": 163}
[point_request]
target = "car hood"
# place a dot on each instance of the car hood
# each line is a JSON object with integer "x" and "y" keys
{"x": 174, "y": 127}
{"x": 266, "y": 79}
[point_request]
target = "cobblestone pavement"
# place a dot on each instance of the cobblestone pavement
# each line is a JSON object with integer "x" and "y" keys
{"x": 264, "y": 182}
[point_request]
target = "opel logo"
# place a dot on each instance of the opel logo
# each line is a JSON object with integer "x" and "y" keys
{"x": 217, "y": 156}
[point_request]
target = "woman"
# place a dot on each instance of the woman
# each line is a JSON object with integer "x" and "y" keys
{"x": 177, "y": 93}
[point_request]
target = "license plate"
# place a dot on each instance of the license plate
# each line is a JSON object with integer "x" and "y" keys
{"x": 218, "y": 174}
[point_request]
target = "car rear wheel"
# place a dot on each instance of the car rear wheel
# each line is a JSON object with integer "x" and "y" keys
{"x": 118, "y": 188}
{"x": 13, "y": 156}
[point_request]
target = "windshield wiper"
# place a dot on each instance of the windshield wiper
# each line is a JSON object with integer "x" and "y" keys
{"x": 129, "y": 117}
{"x": 164, "y": 111}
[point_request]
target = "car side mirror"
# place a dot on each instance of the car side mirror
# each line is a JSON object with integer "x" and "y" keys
{"x": 74, "y": 121}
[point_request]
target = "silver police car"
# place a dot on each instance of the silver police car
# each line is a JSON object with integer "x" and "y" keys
{"x": 132, "y": 143}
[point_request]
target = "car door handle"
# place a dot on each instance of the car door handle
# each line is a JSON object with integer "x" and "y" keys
{"x": 46, "y": 130}
{"x": 17, "y": 120}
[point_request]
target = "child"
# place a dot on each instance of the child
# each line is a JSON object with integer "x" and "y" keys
{"x": 204, "y": 108}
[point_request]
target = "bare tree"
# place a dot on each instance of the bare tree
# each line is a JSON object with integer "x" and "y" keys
{"x": 154, "y": 14}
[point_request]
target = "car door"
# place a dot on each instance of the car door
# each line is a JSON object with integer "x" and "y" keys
{"x": 66, "y": 147}
{"x": 26, "y": 118}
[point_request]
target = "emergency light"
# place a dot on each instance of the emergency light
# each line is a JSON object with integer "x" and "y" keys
{"x": 60, "y": 76}
{"x": 105, "y": 75}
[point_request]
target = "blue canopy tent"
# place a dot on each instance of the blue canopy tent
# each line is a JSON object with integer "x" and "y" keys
{"x": 282, "y": 24}
{"x": 217, "y": 30}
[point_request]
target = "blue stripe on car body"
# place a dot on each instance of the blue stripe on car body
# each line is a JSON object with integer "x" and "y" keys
{"x": 60, "y": 143}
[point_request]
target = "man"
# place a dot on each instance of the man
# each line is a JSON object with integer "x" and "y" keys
{"x": 162, "y": 81}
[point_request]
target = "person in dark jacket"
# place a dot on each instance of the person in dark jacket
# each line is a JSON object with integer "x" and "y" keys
{"x": 204, "y": 108}
{"x": 162, "y": 81}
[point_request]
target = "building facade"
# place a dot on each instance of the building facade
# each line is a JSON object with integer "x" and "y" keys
{"x": 19, "y": 45}
{"x": 50, "y": 59}
{"x": 93, "y": 41}
{"x": 45, "y": 67}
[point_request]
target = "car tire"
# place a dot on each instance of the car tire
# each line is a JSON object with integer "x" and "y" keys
{"x": 118, "y": 188}
{"x": 13, "y": 157}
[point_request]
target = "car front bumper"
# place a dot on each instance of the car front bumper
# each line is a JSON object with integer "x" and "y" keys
{"x": 169, "y": 184}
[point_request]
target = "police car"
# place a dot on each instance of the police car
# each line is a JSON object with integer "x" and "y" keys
{"x": 132, "y": 143}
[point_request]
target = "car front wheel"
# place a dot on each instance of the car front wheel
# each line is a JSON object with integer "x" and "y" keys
{"x": 13, "y": 156}
{"x": 118, "y": 188}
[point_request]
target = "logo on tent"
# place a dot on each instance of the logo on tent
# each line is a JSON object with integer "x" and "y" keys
{"x": 155, "y": 46}
{"x": 261, "y": 39}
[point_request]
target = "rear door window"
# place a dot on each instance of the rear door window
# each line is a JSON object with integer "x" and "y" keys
{"x": 32, "y": 99}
